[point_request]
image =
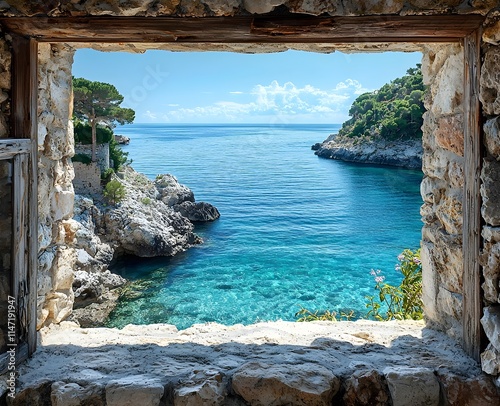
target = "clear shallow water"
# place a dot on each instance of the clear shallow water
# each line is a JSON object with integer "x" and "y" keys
{"x": 295, "y": 230}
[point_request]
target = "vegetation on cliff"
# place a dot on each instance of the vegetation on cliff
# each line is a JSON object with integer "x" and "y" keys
{"x": 392, "y": 112}
{"x": 98, "y": 104}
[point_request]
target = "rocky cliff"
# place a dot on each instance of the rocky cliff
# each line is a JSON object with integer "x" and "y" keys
{"x": 154, "y": 219}
{"x": 378, "y": 151}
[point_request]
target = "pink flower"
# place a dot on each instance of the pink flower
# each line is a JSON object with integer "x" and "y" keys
{"x": 379, "y": 279}
{"x": 401, "y": 257}
{"x": 416, "y": 260}
{"x": 373, "y": 273}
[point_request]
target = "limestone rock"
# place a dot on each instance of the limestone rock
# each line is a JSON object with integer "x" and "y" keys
{"x": 133, "y": 391}
{"x": 202, "y": 388}
{"x": 262, "y": 384}
{"x": 223, "y": 7}
{"x": 316, "y": 7}
{"x": 490, "y": 260}
{"x": 72, "y": 394}
{"x": 373, "y": 7}
{"x": 490, "y": 192}
{"x": 412, "y": 386}
{"x": 171, "y": 191}
{"x": 406, "y": 154}
{"x": 261, "y": 6}
{"x": 198, "y": 212}
{"x": 492, "y": 137}
{"x": 36, "y": 394}
{"x": 366, "y": 388}
{"x": 491, "y": 34}
{"x": 491, "y": 324}
{"x": 490, "y": 82}
{"x": 450, "y": 134}
{"x": 490, "y": 360}
{"x": 457, "y": 391}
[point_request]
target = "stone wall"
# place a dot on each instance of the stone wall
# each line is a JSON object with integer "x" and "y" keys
{"x": 443, "y": 143}
{"x": 55, "y": 191}
{"x": 442, "y": 187}
{"x": 87, "y": 178}
{"x": 101, "y": 152}
{"x": 204, "y": 8}
{"x": 490, "y": 193}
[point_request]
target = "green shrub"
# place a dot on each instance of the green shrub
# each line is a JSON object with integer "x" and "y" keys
{"x": 106, "y": 175}
{"x": 403, "y": 302}
{"x": 83, "y": 158}
{"x": 146, "y": 201}
{"x": 114, "y": 191}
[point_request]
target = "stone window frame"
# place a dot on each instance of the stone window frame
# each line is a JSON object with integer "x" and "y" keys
{"x": 28, "y": 31}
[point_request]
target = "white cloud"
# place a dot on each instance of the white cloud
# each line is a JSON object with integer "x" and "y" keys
{"x": 150, "y": 115}
{"x": 286, "y": 100}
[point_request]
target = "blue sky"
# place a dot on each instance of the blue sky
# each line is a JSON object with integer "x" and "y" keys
{"x": 219, "y": 87}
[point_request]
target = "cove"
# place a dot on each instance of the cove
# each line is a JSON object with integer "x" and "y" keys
{"x": 295, "y": 230}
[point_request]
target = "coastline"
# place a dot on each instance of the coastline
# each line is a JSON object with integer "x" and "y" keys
{"x": 403, "y": 154}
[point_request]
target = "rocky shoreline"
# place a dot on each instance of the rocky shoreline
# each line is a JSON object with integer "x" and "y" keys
{"x": 372, "y": 150}
{"x": 154, "y": 219}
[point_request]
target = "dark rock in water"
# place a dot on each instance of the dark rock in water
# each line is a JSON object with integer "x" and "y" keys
{"x": 198, "y": 212}
{"x": 316, "y": 146}
{"x": 121, "y": 139}
{"x": 171, "y": 191}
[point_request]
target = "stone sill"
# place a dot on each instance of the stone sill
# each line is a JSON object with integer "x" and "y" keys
{"x": 275, "y": 363}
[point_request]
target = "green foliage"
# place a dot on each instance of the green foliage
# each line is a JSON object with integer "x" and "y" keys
{"x": 83, "y": 158}
{"x": 403, "y": 302}
{"x": 83, "y": 135}
{"x": 98, "y": 103}
{"x": 106, "y": 175}
{"x": 392, "y": 112}
{"x": 306, "y": 315}
{"x": 146, "y": 201}
{"x": 114, "y": 191}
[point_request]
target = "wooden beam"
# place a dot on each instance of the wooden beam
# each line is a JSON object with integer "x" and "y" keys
{"x": 295, "y": 28}
{"x": 24, "y": 125}
{"x": 472, "y": 299}
{"x": 9, "y": 148}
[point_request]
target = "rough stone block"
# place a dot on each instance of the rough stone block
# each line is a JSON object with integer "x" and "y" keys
{"x": 490, "y": 360}
{"x": 458, "y": 391}
{"x": 316, "y": 7}
{"x": 36, "y": 394}
{"x": 490, "y": 82}
{"x": 366, "y": 388}
{"x": 133, "y": 391}
{"x": 261, "y": 6}
{"x": 491, "y": 34}
{"x": 492, "y": 137}
{"x": 223, "y": 7}
{"x": 373, "y": 7}
{"x": 447, "y": 87}
{"x": 450, "y": 134}
{"x": 412, "y": 386}
{"x": 450, "y": 312}
{"x": 308, "y": 384}
{"x": 490, "y": 192}
{"x": 203, "y": 388}
{"x": 449, "y": 213}
{"x": 491, "y": 234}
{"x": 491, "y": 325}
{"x": 490, "y": 260}
{"x": 72, "y": 394}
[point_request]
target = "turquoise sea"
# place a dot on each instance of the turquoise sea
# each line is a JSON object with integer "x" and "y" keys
{"x": 295, "y": 230}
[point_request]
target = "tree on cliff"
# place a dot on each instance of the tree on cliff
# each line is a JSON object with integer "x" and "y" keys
{"x": 392, "y": 112}
{"x": 99, "y": 103}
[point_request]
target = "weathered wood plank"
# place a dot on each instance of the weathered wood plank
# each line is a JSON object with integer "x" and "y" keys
{"x": 9, "y": 148}
{"x": 296, "y": 28}
{"x": 472, "y": 300}
{"x": 24, "y": 125}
